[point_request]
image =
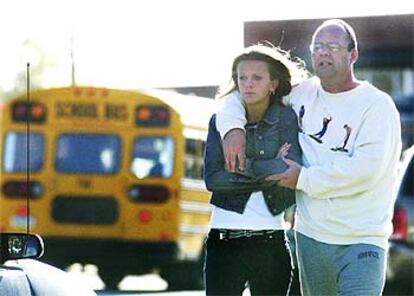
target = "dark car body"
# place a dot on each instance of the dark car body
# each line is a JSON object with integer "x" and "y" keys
{"x": 400, "y": 269}
{"x": 405, "y": 105}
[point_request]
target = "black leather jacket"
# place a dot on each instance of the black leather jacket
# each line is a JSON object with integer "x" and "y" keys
{"x": 231, "y": 191}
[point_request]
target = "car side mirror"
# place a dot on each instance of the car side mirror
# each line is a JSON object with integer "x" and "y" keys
{"x": 20, "y": 245}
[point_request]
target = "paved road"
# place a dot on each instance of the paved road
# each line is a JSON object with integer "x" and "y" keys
{"x": 150, "y": 284}
{"x": 184, "y": 293}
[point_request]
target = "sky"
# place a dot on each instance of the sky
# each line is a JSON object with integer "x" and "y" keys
{"x": 153, "y": 43}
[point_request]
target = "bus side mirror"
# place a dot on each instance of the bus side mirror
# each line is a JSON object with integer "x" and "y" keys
{"x": 19, "y": 246}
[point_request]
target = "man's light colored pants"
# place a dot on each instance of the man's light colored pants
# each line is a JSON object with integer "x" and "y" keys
{"x": 344, "y": 270}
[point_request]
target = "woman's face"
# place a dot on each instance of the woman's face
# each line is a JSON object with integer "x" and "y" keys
{"x": 255, "y": 84}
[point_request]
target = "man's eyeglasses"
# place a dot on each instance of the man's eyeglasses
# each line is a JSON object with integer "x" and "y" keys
{"x": 331, "y": 46}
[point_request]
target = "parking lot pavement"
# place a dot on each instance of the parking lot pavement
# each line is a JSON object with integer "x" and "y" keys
{"x": 148, "y": 284}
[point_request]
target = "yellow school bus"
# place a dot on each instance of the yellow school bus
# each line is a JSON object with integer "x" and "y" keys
{"x": 114, "y": 178}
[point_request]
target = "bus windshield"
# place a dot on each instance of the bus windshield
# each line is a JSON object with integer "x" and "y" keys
{"x": 88, "y": 153}
{"x": 15, "y": 152}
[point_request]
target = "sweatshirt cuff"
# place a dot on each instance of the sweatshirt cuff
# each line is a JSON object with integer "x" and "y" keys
{"x": 231, "y": 115}
{"x": 225, "y": 128}
{"x": 301, "y": 180}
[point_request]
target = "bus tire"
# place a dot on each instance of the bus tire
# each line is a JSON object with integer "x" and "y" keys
{"x": 183, "y": 276}
{"x": 111, "y": 277}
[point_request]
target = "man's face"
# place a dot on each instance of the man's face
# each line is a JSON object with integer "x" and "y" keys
{"x": 330, "y": 56}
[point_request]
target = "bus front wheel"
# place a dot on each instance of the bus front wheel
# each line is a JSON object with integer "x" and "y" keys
{"x": 111, "y": 277}
{"x": 183, "y": 276}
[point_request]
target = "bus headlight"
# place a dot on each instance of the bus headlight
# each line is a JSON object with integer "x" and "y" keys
{"x": 21, "y": 189}
{"x": 133, "y": 193}
{"x": 148, "y": 193}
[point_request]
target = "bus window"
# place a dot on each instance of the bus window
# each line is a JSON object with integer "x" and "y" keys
{"x": 88, "y": 153}
{"x": 152, "y": 157}
{"x": 194, "y": 150}
{"x": 15, "y": 152}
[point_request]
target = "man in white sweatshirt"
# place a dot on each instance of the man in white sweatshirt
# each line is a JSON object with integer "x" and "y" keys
{"x": 351, "y": 140}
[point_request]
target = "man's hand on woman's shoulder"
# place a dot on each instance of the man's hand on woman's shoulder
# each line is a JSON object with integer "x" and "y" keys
{"x": 234, "y": 144}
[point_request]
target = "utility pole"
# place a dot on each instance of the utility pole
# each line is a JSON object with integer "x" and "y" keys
{"x": 72, "y": 58}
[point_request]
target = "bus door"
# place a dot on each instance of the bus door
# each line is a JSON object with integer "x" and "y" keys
{"x": 87, "y": 183}
{"x": 86, "y": 160}
{"x": 154, "y": 170}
